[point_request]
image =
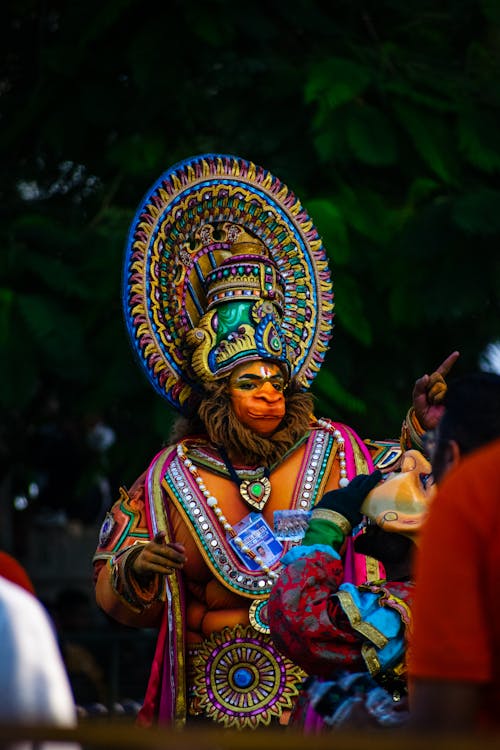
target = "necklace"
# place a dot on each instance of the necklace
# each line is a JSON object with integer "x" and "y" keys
{"x": 214, "y": 504}
{"x": 254, "y": 491}
{"x": 343, "y": 481}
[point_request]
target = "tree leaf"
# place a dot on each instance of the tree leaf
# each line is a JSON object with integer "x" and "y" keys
{"x": 431, "y": 138}
{"x": 330, "y": 224}
{"x": 55, "y": 332}
{"x": 371, "y": 135}
{"x": 479, "y": 138}
{"x": 478, "y": 212}
{"x": 349, "y": 307}
{"x": 331, "y": 392}
{"x": 335, "y": 81}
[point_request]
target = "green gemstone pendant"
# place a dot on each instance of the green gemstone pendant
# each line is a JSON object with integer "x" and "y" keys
{"x": 256, "y": 492}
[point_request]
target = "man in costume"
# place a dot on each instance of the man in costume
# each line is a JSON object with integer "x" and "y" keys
{"x": 229, "y": 306}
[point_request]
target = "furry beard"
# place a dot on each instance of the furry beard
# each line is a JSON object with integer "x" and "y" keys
{"x": 222, "y": 427}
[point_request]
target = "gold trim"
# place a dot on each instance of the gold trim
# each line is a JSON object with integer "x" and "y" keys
{"x": 371, "y": 659}
{"x": 372, "y": 565}
{"x": 326, "y": 514}
{"x": 359, "y": 457}
{"x": 172, "y": 582}
{"x": 357, "y": 622}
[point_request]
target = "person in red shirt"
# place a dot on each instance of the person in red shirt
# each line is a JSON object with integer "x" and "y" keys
{"x": 454, "y": 660}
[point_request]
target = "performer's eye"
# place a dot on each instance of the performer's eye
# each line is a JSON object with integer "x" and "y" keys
{"x": 246, "y": 385}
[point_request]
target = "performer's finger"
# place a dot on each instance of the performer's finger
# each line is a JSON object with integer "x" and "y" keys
{"x": 448, "y": 363}
{"x": 167, "y": 554}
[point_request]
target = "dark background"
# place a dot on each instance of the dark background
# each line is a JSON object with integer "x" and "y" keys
{"x": 382, "y": 116}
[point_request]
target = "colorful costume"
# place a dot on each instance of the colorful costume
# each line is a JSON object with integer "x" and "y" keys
{"x": 223, "y": 266}
{"x": 350, "y": 639}
{"x": 458, "y": 579}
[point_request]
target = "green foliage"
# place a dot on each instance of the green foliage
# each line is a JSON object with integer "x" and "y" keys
{"x": 371, "y": 136}
{"x": 382, "y": 117}
{"x": 478, "y": 212}
{"x": 335, "y": 81}
{"x": 331, "y": 226}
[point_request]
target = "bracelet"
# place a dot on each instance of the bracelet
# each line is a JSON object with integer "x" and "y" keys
{"x": 411, "y": 432}
{"x": 325, "y": 514}
{"x": 137, "y": 595}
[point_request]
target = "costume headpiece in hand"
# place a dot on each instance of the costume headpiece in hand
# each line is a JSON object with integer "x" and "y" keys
{"x": 224, "y": 266}
{"x": 401, "y": 503}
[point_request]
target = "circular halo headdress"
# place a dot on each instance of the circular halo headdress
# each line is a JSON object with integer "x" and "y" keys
{"x": 223, "y": 265}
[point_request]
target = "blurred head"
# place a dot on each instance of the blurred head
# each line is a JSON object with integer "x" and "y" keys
{"x": 471, "y": 419}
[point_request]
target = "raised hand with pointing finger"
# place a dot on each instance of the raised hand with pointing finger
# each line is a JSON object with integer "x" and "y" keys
{"x": 427, "y": 408}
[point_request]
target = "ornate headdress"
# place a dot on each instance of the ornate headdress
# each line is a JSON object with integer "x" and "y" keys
{"x": 223, "y": 266}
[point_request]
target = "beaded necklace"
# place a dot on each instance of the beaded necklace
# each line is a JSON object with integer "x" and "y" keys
{"x": 339, "y": 438}
{"x": 213, "y": 503}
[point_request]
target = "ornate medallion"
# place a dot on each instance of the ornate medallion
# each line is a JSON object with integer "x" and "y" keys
{"x": 241, "y": 679}
{"x": 106, "y": 530}
{"x": 256, "y": 492}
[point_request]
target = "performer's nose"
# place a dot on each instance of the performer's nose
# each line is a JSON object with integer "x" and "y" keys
{"x": 268, "y": 392}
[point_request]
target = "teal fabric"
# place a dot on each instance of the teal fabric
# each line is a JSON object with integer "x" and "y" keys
{"x": 386, "y": 620}
{"x": 304, "y": 550}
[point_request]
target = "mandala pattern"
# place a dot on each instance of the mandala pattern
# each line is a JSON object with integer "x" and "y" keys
{"x": 241, "y": 680}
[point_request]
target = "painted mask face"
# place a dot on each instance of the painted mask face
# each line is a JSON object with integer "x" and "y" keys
{"x": 400, "y": 504}
{"x": 256, "y": 391}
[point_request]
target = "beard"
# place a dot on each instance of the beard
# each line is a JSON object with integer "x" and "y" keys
{"x": 224, "y": 429}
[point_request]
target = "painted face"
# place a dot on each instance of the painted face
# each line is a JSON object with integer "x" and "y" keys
{"x": 256, "y": 390}
{"x": 400, "y": 504}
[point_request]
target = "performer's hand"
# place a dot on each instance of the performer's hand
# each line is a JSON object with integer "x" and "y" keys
{"x": 159, "y": 557}
{"x": 348, "y": 500}
{"x": 429, "y": 392}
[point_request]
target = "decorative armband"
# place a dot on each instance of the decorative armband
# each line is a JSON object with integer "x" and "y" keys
{"x": 412, "y": 432}
{"x": 325, "y": 514}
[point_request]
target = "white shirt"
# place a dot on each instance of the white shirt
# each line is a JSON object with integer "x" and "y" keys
{"x": 34, "y": 686}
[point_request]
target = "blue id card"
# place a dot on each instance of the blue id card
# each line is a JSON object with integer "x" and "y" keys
{"x": 258, "y": 536}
